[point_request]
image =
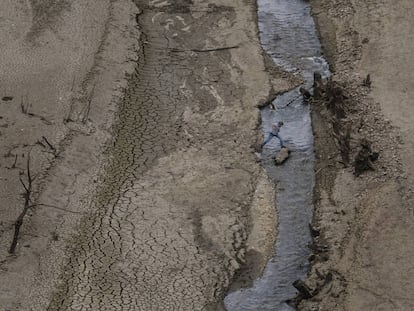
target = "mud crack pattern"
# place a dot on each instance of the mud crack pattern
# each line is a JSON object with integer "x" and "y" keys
{"x": 170, "y": 218}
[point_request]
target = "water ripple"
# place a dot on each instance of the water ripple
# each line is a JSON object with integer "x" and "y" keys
{"x": 288, "y": 34}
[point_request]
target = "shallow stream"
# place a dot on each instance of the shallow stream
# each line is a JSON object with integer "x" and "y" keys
{"x": 288, "y": 34}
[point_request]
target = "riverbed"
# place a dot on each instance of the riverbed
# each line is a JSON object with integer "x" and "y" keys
{"x": 288, "y": 35}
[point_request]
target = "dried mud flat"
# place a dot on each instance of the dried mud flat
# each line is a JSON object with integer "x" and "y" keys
{"x": 363, "y": 250}
{"x": 139, "y": 120}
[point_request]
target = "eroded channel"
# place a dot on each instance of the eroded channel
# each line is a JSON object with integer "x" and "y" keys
{"x": 288, "y": 34}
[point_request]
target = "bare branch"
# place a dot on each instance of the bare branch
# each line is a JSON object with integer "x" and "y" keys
{"x": 87, "y": 108}
{"x": 22, "y": 106}
{"x": 29, "y": 176}
{"x": 19, "y": 221}
{"x": 54, "y": 151}
{"x": 24, "y": 186}
{"x": 56, "y": 207}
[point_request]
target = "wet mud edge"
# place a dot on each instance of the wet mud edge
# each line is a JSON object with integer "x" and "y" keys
{"x": 264, "y": 200}
{"x": 326, "y": 166}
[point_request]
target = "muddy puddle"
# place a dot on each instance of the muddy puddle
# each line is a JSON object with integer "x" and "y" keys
{"x": 288, "y": 34}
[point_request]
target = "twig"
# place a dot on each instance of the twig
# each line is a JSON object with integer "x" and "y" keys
{"x": 50, "y": 145}
{"x": 291, "y": 101}
{"x": 28, "y": 191}
{"x": 46, "y": 121}
{"x": 42, "y": 118}
{"x": 38, "y": 142}
{"x": 69, "y": 116}
{"x": 23, "y": 107}
{"x": 15, "y": 161}
{"x": 88, "y": 109}
{"x": 25, "y": 110}
{"x": 56, "y": 207}
{"x": 295, "y": 98}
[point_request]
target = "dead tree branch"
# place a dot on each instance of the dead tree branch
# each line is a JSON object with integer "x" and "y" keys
{"x": 54, "y": 151}
{"x": 26, "y": 195}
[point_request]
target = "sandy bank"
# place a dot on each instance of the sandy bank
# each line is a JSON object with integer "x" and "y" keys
{"x": 364, "y": 251}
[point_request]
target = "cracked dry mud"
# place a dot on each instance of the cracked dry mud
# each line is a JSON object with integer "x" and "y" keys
{"x": 171, "y": 214}
{"x": 180, "y": 203}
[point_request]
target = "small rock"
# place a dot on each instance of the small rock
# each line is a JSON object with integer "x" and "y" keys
{"x": 282, "y": 156}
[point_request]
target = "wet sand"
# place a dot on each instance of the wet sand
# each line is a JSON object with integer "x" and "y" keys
{"x": 148, "y": 193}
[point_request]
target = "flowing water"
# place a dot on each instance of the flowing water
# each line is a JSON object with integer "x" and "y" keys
{"x": 288, "y": 34}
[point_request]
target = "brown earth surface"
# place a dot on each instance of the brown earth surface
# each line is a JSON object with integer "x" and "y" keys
{"x": 139, "y": 119}
{"x": 364, "y": 254}
{"x": 147, "y": 194}
{"x": 63, "y": 65}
